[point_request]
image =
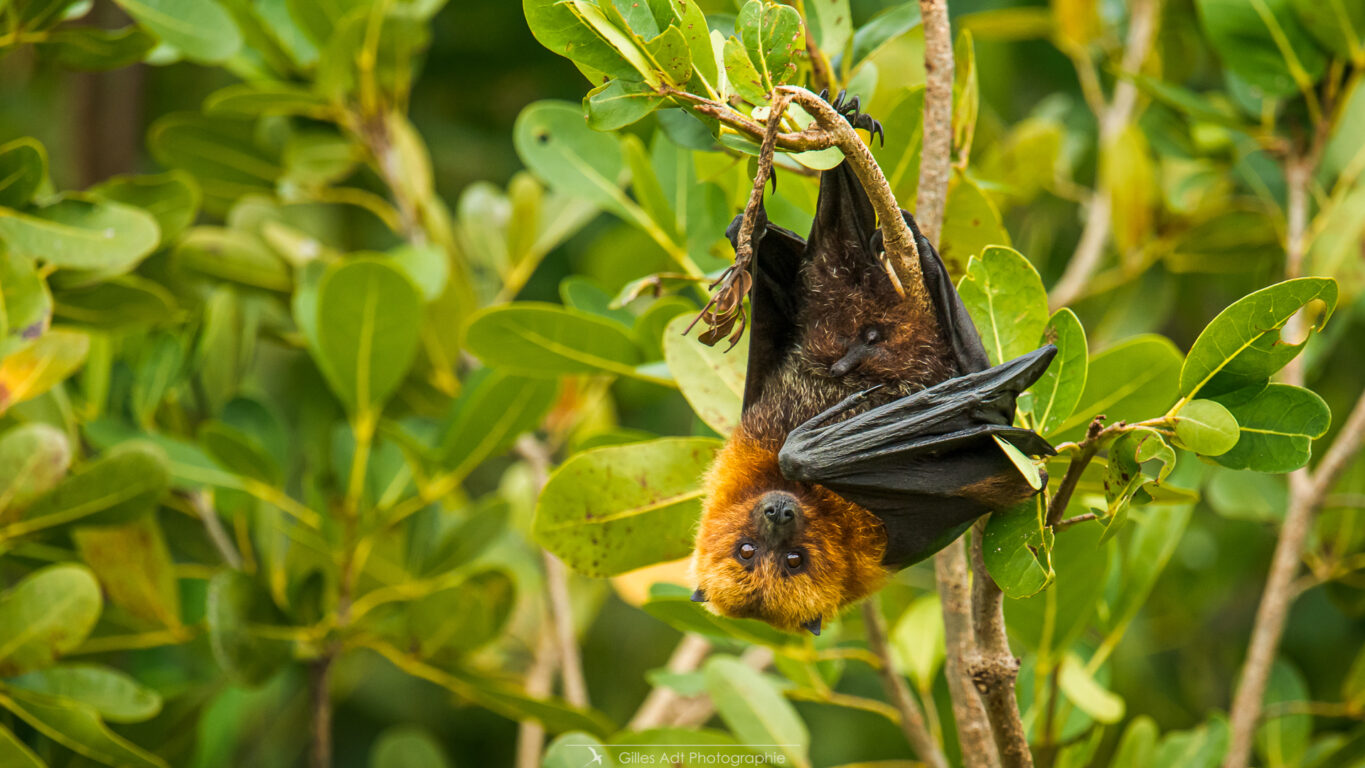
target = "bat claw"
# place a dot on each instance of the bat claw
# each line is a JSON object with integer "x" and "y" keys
{"x": 698, "y": 596}
{"x": 849, "y": 108}
{"x": 812, "y": 626}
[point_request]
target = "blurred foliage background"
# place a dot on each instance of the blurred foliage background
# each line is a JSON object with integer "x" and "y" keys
{"x": 272, "y": 435}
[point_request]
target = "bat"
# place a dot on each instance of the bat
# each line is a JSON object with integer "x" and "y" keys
{"x": 867, "y": 439}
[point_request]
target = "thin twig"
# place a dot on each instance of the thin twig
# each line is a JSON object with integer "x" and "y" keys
{"x": 1070, "y": 521}
{"x": 218, "y": 535}
{"x": 557, "y": 587}
{"x": 1113, "y": 119}
{"x": 937, "y": 155}
{"x": 911, "y": 718}
{"x": 995, "y": 668}
{"x": 1088, "y": 448}
{"x": 539, "y": 682}
{"x": 959, "y": 641}
{"x": 663, "y": 703}
{"x": 319, "y": 690}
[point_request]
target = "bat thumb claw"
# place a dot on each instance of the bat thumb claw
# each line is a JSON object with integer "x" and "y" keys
{"x": 812, "y": 626}
{"x": 698, "y": 596}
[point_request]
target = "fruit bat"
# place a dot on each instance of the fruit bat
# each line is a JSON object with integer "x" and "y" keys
{"x": 867, "y": 436}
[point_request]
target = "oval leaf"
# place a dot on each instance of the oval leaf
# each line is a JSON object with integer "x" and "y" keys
{"x": 201, "y": 29}
{"x": 120, "y": 485}
{"x": 536, "y": 339}
{"x": 615, "y": 509}
{"x": 1206, "y": 427}
{"x": 113, "y": 694}
{"x": 1058, "y": 390}
{"x": 47, "y": 614}
{"x": 81, "y": 233}
{"x": 1278, "y": 427}
{"x": 40, "y": 366}
{"x": 1133, "y": 380}
{"x": 34, "y": 458}
{"x": 754, "y": 709}
{"x": 710, "y": 378}
{"x": 1241, "y": 347}
{"x": 23, "y": 166}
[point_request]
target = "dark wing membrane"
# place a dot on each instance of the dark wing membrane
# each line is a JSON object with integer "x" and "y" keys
{"x": 953, "y": 320}
{"x": 775, "y": 298}
{"x": 845, "y": 220}
{"x": 913, "y": 460}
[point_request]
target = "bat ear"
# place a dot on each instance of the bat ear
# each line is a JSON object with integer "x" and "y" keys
{"x": 813, "y": 626}
{"x": 698, "y": 596}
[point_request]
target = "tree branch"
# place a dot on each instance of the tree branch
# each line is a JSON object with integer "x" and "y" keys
{"x": 1305, "y": 498}
{"x": 959, "y": 645}
{"x": 995, "y": 667}
{"x": 539, "y": 680}
{"x": 936, "y": 160}
{"x": 911, "y": 718}
{"x": 557, "y": 587}
{"x": 1086, "y": 452}
{"x": 1113, "y": 118}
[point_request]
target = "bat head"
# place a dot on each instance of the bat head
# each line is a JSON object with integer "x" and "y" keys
{"x": 786, "y": 553}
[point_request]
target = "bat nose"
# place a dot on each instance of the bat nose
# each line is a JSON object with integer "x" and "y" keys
{"x": 779, "y": 509}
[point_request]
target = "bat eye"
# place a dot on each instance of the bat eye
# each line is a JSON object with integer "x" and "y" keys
{"x": 747, "y": 551}
{"x": 794, "y": 560}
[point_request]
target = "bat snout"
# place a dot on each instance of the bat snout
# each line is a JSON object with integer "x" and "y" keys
{"x": 778, "y": 516}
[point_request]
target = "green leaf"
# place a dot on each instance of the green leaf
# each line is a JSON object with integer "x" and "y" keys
{"x": 368, "y": 321}
{"x": 235, "y": 606}
{"x": 571, "y": 749}
{"x": 484, "y": 523}
{"x": 899, "y": 157}
{"x": 1086, "y": 693}
{"x": 1138, "y": 745}
{"x": 1278, "y": 428}
{"x": 755, "y": 710}
{"x": 1156, "y": 534}
{"x": 81, "y": 233}
{"x": 1282, "y": 741}
{"x": 407, "y": 746}
{"x": 1353, "y": 684}
{"x": 233, "y": 255}
{"x": 557, "y": 27}
{"x": 1136, "y": 459}
{"x": 123, "y": 483}
{"x": 917, "y": 640}
{"x": 649, "y": 193}
{"x": 134, "y": 568}
{"x": 41, "y": 365}
{"x": 221, "y": 153}
{"x": 881, "y": 29}
{"x": 1263, "y": 42}
{"x": 23, "y": 168}
{"x": 742, "y": 75}
{"x": 1241, "y": 347}
{"x": 971, "y": 223}
{"x": 34, "y": 458}
{"x": 200, "y": 29}
{"x": 1339, "y": 25}
{"x": 94, "y": 49}
{"x": 1005, "y": 297}
{"x": 611, "y": 510}
{"x": 494, "y": 408}
{"x": 266, "y": 98}
{"x": 618, "y": 103}
{"x": 772, "y": 35}
{"x": 1055, "y": 618}
{"x": 710, "y": 378}
{"x": 558, "y": 146}
{"x": 1128, "y": 174}
{"x": 15, "y": 753}
{"x": 47, "y": 614}
{"x": 1201, "y": 747}
{"x": 463, "y": 618}
{"x": 1017, "y": 548}
{"x": 670, "y": 54}
{"x": 1206, "y": 427}
{"x": 672, "y": 604}
{"x": 1059, "y": 389}
{"x": 1130, "y": 381}
{"x": 171, "y": 198}
{"x": 25, "y": 301}
{"x": 78, "y": 728}
{"x": 831, "y": 22}
{"x": 110, "y": 692}
{"x": 543, "y": 340}
{"x": 126, "y": 300}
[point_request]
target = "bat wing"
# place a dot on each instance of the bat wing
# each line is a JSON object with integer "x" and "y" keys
{"x": 915, "y": 461}
{"x": 775, "y": 298}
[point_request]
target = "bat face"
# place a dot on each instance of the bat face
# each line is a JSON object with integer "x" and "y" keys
{"x": 788, "y": 554}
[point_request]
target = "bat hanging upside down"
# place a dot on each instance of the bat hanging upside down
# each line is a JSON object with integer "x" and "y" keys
{"x": 866, "y": 440}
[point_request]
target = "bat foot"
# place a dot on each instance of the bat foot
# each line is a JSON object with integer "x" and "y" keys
{"x": 849, "y": 110}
